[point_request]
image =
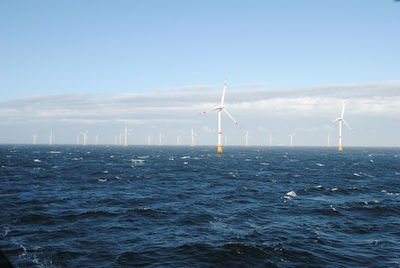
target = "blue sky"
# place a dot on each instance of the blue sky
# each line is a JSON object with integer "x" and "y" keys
{"x": 104, "y": 49}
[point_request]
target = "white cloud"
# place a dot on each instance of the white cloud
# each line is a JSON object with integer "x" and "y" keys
{"x": 259, "y": 110}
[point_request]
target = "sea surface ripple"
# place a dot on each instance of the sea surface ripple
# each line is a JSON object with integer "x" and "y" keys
{"x": 176, "y": 206}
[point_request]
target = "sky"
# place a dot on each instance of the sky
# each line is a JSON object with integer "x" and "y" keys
{"x": 153, "y": 66}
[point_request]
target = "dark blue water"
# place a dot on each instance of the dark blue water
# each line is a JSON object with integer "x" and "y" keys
{"x": 74, "y": 206}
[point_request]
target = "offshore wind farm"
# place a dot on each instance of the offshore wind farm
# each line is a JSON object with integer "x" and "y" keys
{"x": 108, "y": 160}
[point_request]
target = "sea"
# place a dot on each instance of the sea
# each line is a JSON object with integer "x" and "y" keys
{"x": 181, "y": 206}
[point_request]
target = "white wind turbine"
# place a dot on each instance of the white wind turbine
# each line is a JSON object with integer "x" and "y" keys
{"x": 193, "y": 136}
{"x": 96, "y": 139}
{"x": 270, "y": 140}
{"x": 340, "y": 120}
{"x": 247, "y": 138}
{"x": 84, "y": 134}
{"x": 51, "y": 137}
{"x": 125, "y": 134}
{"x": 178, "y": 140}
{"x": 221, "y": 108}
{"x": 291, "y": 139}
{"x": 148, "y": 140}
{"x": 160, "y": 136}
{"x": 34, "y": 138}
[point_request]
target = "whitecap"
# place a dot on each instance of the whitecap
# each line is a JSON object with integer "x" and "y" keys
{"x": 54, "y": 152}
{"x": 37, "y": 160}
{"x": 6, "y": 230}
{"x": 320, "y": 165}
{"x": 291, "y": 193}
{"x": 185, "y": 163}
{"x": 77, "y": 158}
{"x": 335, "y": 189}
{"x": 356, "y": 174}
{"x": 372, "y": 161}
{"x": 137, "y": 161}
{"x": 185, "y": 157}
{"x": 333, "y": 208}
{"x": 264, "y": 164}
{"x": 102, "y": 179}
{"x": 171, "y": 159}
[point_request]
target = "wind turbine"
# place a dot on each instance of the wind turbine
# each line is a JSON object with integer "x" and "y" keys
{"x": 193, "y": 135}
{"x": 291, "y": 139}
{"x": 148, "y": 140}
{"x": 270, "y": 140}
{"x": 84, "y": 134}
{"x": 247, "y": 138}
{"x": 34, "y": 138}
{"x": 178, "y": 140}
{"x": 329, "y": 140}
{"x": 96, "y": 139}
{"x": 340, "y": 120}
{"x": 160, "y": 136}
{"x": 126, "y": 133}
{"x": 221, "y": 108}
{"x": 51, "y": 137}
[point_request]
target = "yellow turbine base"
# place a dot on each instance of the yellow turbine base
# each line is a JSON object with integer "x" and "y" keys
{"x": 219, "y": 148}
{"x": 340, "y": 148}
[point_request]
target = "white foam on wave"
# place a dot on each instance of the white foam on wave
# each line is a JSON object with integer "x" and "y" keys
{"x": 320, "y": 165}
{"x": 37, "y": 160}
{"x": 54, "y": 152}
{"x": 171, "y": 159}
{"x": 264, "y": 164}
{"x": 333, "y": 208}
{"x": 77, "y": 158}
{"x": 185, "y": 157}
{"x": 102, "y": 179}
{"x": 389, "y": 193}
{"x": 335, "y": 189}
{"x": 139, "y": 161}
{"x": 6, "y": 230}
{"x": 291, "y": 193}
{"x": 357, "y": 174}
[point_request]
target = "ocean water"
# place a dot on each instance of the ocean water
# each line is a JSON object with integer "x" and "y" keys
{"x": 108, "y": 206}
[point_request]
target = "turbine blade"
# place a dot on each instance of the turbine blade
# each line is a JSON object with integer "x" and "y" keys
{"x": 333, "y": 121}
{"x": 344, "y": 105}
{"x": 210, "y": 110}
{"x": 347, "y": 125}
{"x": 231, "y": 117}
{"x": 223, "y": 94}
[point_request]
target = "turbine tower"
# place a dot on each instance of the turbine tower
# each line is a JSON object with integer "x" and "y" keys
{"x": 329, "y": 140}
{"x": 193, "y": 135}
{"x": 126, "y": 133}
{"x": 340, "y": 120}
{"x": 270, "y": 140}
{"x": 51, "y": 137}
{"x": 291, "y": 139}
{"x": 84, "y": 134}
{"x": 148, "y": 140}
{"x": 178, "y": 140}
{"x": 219, "y": 108}
{"x": 96, "y": 139}
{"x": 34, "y": 138}
{"x": 247, "y": 138}
{"x": 160, "y": 136}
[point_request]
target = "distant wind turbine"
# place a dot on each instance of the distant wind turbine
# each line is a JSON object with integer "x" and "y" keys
{"x": 84, "y": 134}
{"x": 270, "y": 140}
{"x": 340, "y": 120}
{"x": 51, "y": 137}
{"x": 247, "y": 138}
{"x": 291, "y": 139}
{"x": 178, "y": 140}
{"x": 125, "y": 134}
{"x": 96, "y": 139}
{"x": 193, "y": 136}
{"x": 148, "y": 140}
{"x": 221, "y": 108}
{"x": 160, "y": 136}
{"x": 34, "y": 138}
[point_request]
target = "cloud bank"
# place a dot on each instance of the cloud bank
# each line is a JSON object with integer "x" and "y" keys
{"x": 255, "y": 108}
